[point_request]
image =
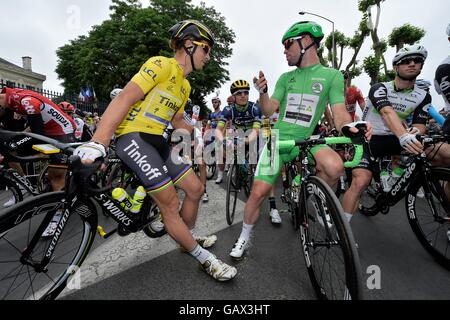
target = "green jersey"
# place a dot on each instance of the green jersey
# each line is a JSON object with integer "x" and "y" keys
{"x": 304, "y": 94}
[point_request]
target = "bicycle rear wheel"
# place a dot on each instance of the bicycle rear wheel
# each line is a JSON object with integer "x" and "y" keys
{"x": 233, "y": 182}
{"x": 429, "y": 214}
{"x": 24, "y": 276}
{"x": 328, "y": 247}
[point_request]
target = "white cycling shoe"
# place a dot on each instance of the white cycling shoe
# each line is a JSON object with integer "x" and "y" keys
{"x": 239, "y": 248}
{"x": 218, "y": 269}
{"x": 275, "y": 216}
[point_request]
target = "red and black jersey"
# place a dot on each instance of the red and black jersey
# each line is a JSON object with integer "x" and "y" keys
{"x": 30, "y": 103}
{"x": 352, "y": 96}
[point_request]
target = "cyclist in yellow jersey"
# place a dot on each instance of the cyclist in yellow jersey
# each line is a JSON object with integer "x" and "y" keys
{"x": 154, "y": 98}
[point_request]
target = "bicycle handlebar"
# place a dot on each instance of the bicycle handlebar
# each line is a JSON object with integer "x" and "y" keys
{"x": 359, "y": 150}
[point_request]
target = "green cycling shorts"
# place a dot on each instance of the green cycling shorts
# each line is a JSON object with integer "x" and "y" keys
{"x": 269, "y": 172}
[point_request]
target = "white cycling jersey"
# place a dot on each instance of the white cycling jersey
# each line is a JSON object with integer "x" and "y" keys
{"x": 408, "y": 102}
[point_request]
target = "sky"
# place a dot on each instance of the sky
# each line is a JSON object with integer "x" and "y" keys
{"x": 38, "y": 28}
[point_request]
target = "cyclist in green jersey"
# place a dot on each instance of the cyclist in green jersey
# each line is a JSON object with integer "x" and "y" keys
{"x": 301, "y": 96}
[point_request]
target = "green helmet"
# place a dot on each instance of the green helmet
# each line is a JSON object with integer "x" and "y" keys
{"x": 304, "y": 27}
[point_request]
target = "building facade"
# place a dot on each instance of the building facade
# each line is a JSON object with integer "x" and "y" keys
{"x": 24, "y": 76}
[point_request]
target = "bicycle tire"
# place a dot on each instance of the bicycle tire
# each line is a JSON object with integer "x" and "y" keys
{"x": 232, "y": 177}
{"x": 43, "y": 181}
{"x": 11, "y": 189}
{"x": 18, "y": 226}
{"x": 431, "y": 232}
{"x": 342, "y": 239}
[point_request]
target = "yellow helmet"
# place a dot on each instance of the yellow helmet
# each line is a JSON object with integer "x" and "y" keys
{"x": 239, "y": 85}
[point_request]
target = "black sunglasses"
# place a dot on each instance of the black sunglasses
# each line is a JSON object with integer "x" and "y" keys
{"x": 407, "y": 61}
{"x": 288, "y": 43}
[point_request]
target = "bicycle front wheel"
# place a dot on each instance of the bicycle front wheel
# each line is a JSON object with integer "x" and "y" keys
{"x": 232, "y": 192}
{"x": 428, "y": 211}
{"x": 36, "y": 267}
{"x": 10, "y": 193}
{"x": 328, "y": 245}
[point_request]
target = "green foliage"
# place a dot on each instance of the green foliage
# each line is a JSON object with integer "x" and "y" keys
{"x": 372, "y": 66}
{"x": 387, "y": 77}
{"x": 114, "y": 51}
{"x": 406, "y": 34}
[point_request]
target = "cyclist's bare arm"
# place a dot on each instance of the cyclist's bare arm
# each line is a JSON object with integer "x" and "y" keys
{"x": 116, "y": 112}
{"x": 392, "y": 120}
{"x": 268, "y": 106}
{"x": 340, "y": 115}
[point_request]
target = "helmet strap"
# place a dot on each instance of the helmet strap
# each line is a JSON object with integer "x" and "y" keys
{"x": 190, "y": 51}
{"x": 303, "y": 51}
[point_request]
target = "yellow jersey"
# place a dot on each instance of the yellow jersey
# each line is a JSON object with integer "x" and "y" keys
{"x": 166, "y": 93}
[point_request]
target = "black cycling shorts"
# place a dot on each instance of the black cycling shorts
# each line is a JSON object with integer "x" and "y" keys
{"x": 380, "y": 146}
{"x": 151, "y": 158}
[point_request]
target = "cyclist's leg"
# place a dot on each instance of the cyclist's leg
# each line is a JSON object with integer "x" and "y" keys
{"x": 329, "y": 165}
{"x": 142, "y": 154}
{"x": 265, "y": 176}
{"x": 361, "y": 179}
{"x": 57, "y": 167}
{"x": 439, "y": 154}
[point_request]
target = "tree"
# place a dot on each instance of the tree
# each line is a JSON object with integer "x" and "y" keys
{"x": 406, "y": 34}
{"x": 115, "y": 50}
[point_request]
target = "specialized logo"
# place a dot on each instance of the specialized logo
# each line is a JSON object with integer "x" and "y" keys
{"x": 115, "y": 211}
{"x": 58, "y": 232}
{"x": 141, "y": 161}
{"x": 317, "y": 88}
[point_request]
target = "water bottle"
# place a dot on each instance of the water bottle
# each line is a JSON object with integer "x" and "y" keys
{"x": 123, "y": 198}
{"x": 195, "y": 114}
{"x": 396, "y": 174}
{"x": 295, "y": 188}
{"x": 265, "y": 128}
{"x": 138, "y": 199}
{"x": 284, "y": 178}
{"x": 384, "y": 176}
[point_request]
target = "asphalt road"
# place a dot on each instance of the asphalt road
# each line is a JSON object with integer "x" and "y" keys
{"x": 136, "y": 267}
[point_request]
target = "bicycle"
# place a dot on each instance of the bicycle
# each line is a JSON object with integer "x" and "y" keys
{"x": 326, "y": 237}
{"x": 33, "y": 267}
{"x": 430, "y": 224}
{"x": 239, "y": 176}
{"x": 11, "y": 182}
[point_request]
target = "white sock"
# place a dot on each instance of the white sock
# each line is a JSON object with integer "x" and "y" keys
{"x": 200, "y": 254}
{"x": 348, "y": 216}
{"x": 246, "y": 232}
